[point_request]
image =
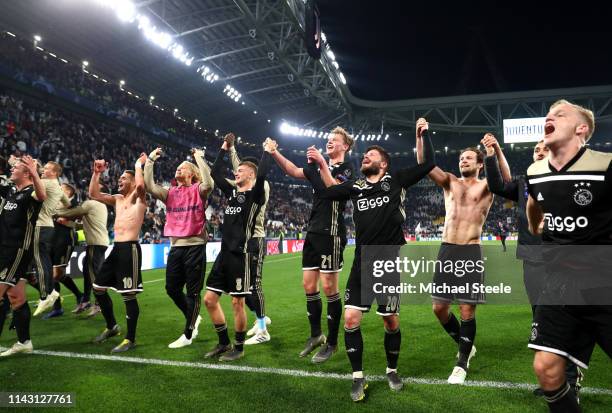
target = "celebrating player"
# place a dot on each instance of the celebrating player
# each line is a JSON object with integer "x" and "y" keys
{"x": 18, "y": 214}
{"x": 64, "y": 241}
{"x": 121, "y": 269}
{"x": 256, "y": 300}
{"x": 467, "y": 200}
{"x": 231, "y": 272}
{"x": 569, "y": 204}
{"x": 378, "y": 215}
{"x": 186, "y": 227}
{"x": 44, "y": 235}
{"x": 324, "y": 245}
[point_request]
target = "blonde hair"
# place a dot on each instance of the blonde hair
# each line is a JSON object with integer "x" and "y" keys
{"x": 348, "y": 139}
{"x": 56, "y": 167}
{"x": 194, "y": 171}
{"x": 586, "y": 114}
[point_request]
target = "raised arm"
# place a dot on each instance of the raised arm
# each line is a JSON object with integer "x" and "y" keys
{"x": 287, "y": 166}
{"x": 139, "y": 191}
{"x": 39, "y": 188}
{"x": 259, "y": 190}
{"x": 94, "y": 184}
{"x": 157, "y": 191}
{"x": 535, "y": 216}
{"x": 218, "y": 175}
{"x": 426, "y": 161}
{"x": 207, "y": 184}
{"x": 440, "y": 177}
{"x": 489, "y": 141}
{"x": 509, "y": 190}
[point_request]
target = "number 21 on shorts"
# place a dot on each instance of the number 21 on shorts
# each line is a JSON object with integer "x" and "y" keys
{"x": 326, "y": 263}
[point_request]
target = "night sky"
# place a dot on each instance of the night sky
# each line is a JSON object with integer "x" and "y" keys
{"x": 399, "y": 49}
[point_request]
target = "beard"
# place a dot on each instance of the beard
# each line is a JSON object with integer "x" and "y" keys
{"x": 469, "y": 173}
{"x": 371, "y": 170}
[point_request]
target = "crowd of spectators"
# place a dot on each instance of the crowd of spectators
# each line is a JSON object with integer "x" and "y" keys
{"x": 48, "y": 132}
{"x": 74, "y": 141}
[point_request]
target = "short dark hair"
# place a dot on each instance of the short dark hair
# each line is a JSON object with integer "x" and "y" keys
{"x": 479, "y": 153}
{"x": 130, "y": 172}
{"x": 383, "y": 153}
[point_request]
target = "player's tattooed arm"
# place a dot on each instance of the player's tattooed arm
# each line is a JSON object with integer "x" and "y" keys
{"x": 509, "y": 190}
{"x": 535, "y": 216}
{"x": 207, "y": 184}
{"x": 157, "y": 191}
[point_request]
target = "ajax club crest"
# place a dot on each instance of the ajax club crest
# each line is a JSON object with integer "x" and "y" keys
{"x": 582, "y": 195}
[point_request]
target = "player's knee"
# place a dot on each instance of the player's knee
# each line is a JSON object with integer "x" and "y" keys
{"x": 16, "y": 299}
{"x": 330, "y": 290}
{"x": 310, "y": 287}
{"x": 391, "y": 322}
{"x": 467, "y": 311}
{"x": 210, "y": 301}
{"x": 440, "y": 310}
{"x": 351, "y": 320}
{"x": 549, "y": 370}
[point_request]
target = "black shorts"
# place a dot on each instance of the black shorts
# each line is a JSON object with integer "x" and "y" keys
{"x": 361, "y": 290}
{"x": 92, "y": 263}
{"x": 256, "y": 253}
{"x": 323, "y": 253}
{"x": 453, "y": 270}
{"x": 572, "y": 331}
{"x": 121, "y": 269}
{"x": 64, "y": 240}
{"x": 186, "y": 267}
{"x": 14, "y": 264}
{"x": 232, "y": 272}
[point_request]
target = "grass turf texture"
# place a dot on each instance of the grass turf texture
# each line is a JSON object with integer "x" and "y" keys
{"x": 427, "y": 352}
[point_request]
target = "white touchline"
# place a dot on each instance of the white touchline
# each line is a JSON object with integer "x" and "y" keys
{"x": 297, "y": 373}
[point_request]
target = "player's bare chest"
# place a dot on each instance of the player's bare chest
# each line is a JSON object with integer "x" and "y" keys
{"x": 468, "y": 194}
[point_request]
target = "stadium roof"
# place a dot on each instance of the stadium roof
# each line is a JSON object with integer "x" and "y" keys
{"x": 434, "y": 58}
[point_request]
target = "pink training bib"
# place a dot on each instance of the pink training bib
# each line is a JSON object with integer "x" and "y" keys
{"x": 185, "y": 212}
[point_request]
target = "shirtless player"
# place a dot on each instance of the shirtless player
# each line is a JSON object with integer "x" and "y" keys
{"x": 121, "y": 269}
{"x": 467, "y": 201}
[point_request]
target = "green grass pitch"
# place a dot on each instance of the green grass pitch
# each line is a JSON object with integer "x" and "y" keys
{"x": 427, "y": 353}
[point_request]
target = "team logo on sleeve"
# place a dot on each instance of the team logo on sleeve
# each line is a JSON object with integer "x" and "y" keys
{"x": 583, "y": 196}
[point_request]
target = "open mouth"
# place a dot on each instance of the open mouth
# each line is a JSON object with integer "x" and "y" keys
{"x": 549, "y": 128}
